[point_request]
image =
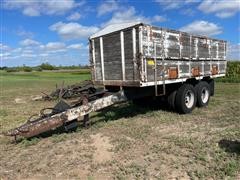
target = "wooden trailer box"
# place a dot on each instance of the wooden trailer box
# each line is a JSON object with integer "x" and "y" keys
{"x": 137, "y": 54}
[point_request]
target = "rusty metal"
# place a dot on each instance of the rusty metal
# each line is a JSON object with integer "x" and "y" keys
{"x": 72, "y": 91}
{"x": 30, "y": 129}
{"x": 195, "y": 71}
{"x": 172, "y": 73}
{"x": 214, "y": 70}
{"x": 63, "y": 114}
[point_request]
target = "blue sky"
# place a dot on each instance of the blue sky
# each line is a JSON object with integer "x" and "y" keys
{"x": 57, "y": 31}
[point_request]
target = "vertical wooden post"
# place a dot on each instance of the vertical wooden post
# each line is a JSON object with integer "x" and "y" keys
{"x": 93, "y": 58}
{"x": 134, "y": 52}
{"x": 102, "y": 58}
{"x": 122, "y": 55}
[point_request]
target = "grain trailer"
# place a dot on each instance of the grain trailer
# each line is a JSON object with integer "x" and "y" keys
{"x": 136, "y": 62}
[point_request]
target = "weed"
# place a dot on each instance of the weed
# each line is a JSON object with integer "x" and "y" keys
{"x": 231, "y": 168}
{"x": 3, "y": 113}
{"x": 56, "y": 138}
{"x": 29, "y": 142}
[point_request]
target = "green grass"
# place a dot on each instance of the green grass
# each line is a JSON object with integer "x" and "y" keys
{"x": 23, "y": 79}
{"x": 146, "y": 143}
{"x": 24, "y": 85}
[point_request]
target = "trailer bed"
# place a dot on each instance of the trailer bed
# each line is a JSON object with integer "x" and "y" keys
{"x": 137, "y": 54}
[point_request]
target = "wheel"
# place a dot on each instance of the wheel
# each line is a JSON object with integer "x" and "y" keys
{"x": 203, "y": 93}
{"x": 171, "y": 99}
{"x": 185, "y": 99}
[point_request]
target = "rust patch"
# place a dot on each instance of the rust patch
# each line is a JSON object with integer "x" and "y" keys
{"x": 214, "y": 69}
{"x": 173, "y": 73}
{"x": 196, "y": 71}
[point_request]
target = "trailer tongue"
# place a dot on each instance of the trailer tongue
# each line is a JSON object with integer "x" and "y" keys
{"x": 64, "y": 115}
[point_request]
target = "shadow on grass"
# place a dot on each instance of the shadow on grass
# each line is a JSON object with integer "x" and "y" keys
{"x": 112, "y": 113}
{"x": 230, "y": 146}
{"x": 130, "y": 109}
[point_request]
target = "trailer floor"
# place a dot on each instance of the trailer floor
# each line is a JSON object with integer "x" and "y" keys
{"x": 126, "y": 142}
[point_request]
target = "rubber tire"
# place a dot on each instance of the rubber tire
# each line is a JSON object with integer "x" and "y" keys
{"x": 171, "y": 100}
{"x": 198, "y": 89}
{"x": 180, "y": 99}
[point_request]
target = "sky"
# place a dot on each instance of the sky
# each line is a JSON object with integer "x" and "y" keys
{"x": 57, "y": 31}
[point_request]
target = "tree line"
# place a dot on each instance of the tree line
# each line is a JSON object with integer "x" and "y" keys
{"x": 43, "y": 66}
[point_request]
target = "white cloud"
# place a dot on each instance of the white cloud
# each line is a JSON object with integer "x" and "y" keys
{"x": 71, "y": 30}
{"x": 188, "y": 12}
{"x": 37, "y": 8}
{"x": 158, "y": 18}
{"x": 233, "y": 52}
{"x": 3, "y": 55}
{"x": 76, "y": 46}
{"x": 107, "y": 7}
{"x": 74, "y": 17}
{"x": 130, "y": 15}
{"x": 221, "y": 8}
{"x": 24, "y": 33}
{"x": 27, "y": 51}
{"x": 17, "y": 50}
{"x": 175, "y": 4}
{"x": 202, "y": 28}
{"x": 4, "y": 47}
{"x": 54, "y": 47}
{"x": 53, "y": 52}
{"x": 31, "y": 11}
{"x": 44, "y": 54}
{"x": 29, "y": 42}
{"x": 28, "y": 55}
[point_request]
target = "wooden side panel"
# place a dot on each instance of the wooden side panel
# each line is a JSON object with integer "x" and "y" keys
{"x": 180, "y": 45}
{"x": 221, "y": 50}
{"x": 128, "y": 47}
{"x": 172, "y": 45}
{"x": 187, "y": 45}
{"x": 112, "y": 57}
{"x": 203, "y": 47}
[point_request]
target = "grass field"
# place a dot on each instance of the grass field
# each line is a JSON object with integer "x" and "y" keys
{"x": 124, "y": 141}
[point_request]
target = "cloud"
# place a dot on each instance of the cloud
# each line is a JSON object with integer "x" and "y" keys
{"x": 4, "y": 47}
{"x": 76, "y": 46}
{"x": 4, "y": 55}
{"x": 23, "y": 33}
{"x": 202, "y": 28}
{"x": 74, "y": 17}
{"x": 72, "y": 30}
{"x": 37, "y": 8}
{"x": 158, "y": 18}
{"x": 221, "y": 8}
{"x": 29, "y": 42}
{"x": 188, "y": 12}
{"x": 233, "y": 52}
{"x": 34, "y": 55}
{"x": 175, "y": 4}
{"x": 130, "y": 15}
{"x": 55, "y": 47}
{"x": 107, "y": 7}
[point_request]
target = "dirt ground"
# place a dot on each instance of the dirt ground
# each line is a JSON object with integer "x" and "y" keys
{"x": 129, "y": 142}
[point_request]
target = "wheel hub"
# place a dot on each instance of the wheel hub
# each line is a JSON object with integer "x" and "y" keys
{"x": 204, "y": 95}
{"x": 189, "y": 99}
